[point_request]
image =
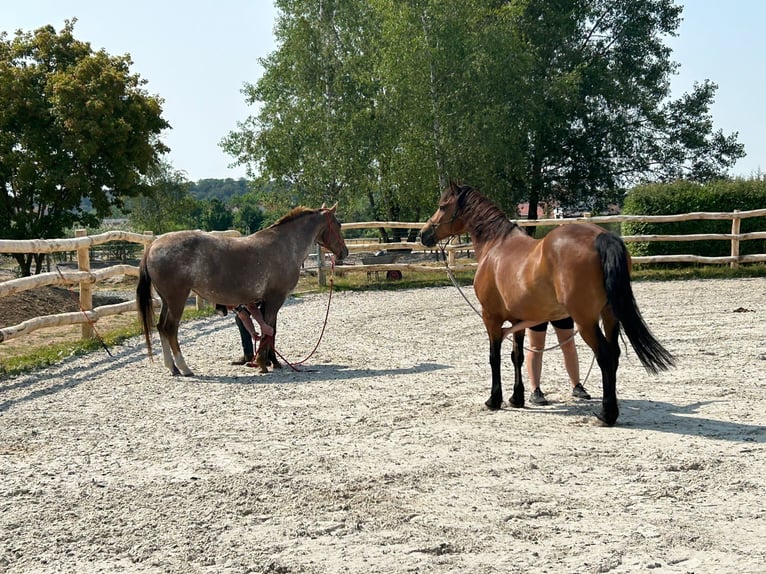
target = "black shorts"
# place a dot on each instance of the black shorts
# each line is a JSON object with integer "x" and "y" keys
{"x": 565, "y": 323}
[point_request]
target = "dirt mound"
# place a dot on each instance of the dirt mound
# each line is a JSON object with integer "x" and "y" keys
{"x": 41, "y": 301}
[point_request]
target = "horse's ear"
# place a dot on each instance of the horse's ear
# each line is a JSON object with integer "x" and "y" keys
{"x": 334, "y": 208}
{"x": 324, "y": 206}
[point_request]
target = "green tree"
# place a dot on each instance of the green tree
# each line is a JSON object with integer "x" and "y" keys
{"x": 74, "y": 124}
{"x": 215, "y": 216}
{"x": 530, "y": 100}
{"x": 248, "y": 212}
{"x": 223, "y": 189}
{"x": 598, "y": 116}
{"x": 312, "y": 138}
{"x": 168, "y": 204}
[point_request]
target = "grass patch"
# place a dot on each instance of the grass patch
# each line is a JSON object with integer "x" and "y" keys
{"x": 50, "y": 354}
{"x": 679, "y": 273}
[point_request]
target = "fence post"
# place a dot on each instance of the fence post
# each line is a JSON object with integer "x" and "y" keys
{"x": 736, "y": 220}
{"x": 320, "y": 267}
{"x": 86, "y": 288}
{"x": 451, "y": 258}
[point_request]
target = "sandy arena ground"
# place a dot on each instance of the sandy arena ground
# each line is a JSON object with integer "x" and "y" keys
{"x": 379, "y": 456}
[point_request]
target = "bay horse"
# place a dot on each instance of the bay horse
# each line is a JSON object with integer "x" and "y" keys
{"x": 580, "y": 270}
{"x": 260, "y": 269}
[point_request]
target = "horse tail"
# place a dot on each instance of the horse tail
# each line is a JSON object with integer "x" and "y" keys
{"x": 145, "y": 303}
{"x": 615, "y": 264}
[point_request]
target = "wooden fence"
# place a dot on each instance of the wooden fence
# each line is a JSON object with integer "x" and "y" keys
{"x": 85, "y": 278}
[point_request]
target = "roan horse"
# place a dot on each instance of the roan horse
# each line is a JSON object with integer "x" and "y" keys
{"x": 580, "y": 270}
{"x": 262, "y": 268}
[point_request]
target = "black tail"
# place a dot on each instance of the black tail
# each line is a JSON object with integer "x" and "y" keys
{"x": 145, "y": 304}
{"x": 619, "y": 293}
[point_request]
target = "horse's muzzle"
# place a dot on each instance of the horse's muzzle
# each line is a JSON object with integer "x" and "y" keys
{"x": 428, "y": 235}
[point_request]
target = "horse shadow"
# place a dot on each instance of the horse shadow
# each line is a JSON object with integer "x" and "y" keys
{"x": 70, "y": 373}
{"x": 68, "y": 377}
{"x": 664, "y": 417}
{"x": 315, "y": 374}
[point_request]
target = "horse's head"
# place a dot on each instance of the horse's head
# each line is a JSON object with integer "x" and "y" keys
{"x": 330, "y": 237}
{"x": 447, "y": 220}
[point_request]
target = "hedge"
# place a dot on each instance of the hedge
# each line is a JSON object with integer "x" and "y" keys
{"x": 685, "y": 197}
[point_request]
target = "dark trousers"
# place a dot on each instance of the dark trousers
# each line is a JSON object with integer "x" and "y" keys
{"x": 247, "y": 340}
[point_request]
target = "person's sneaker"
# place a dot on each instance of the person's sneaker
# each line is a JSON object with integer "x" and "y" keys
{"x": 538, "y": 397}
{"x": 243, "y": 360}
{"x": 579, "y": 392}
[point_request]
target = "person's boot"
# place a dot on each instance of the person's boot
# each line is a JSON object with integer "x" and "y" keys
{"x": 243, "y": 360}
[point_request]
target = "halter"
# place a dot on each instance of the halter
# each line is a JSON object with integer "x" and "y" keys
{"x": 436, "y": 225}
{"x": 337, "y": 235}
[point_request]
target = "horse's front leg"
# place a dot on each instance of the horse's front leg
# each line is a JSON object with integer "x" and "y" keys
{"x": 266, "y": 354}
{"x": 495, "y": 332}
{"x": 517, "y": 357}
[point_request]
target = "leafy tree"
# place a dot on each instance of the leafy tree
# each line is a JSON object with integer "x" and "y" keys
{"x": 598, "y": 116}
{"x": 313, "y": 138}
{"x": 248, "y": 213}
{"x": 168, "y": 205}
{"x": 216, "y": 216}
{"x": 530, "y": 100}
{"x": 74, "y": 124}
{"x": 223, "y": 189}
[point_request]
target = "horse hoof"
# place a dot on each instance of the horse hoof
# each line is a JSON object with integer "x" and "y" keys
{"x": 491, "y": 405}
{"x": 516, "y": 404}
{"x": 608, "y": 419}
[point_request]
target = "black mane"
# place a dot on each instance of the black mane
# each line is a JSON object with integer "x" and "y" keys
{"x": 482, "y": 217}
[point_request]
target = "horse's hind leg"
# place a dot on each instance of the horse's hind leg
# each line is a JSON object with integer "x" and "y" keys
{"x": 167, "y": 327}
{"x": 607, "y": 352}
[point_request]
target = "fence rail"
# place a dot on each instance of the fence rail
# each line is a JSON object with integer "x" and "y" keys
{"x": 85, "y": 278}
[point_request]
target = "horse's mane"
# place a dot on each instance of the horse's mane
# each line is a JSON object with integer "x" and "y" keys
{"x": 481, "y": 216}
{"x": 294, "y": 214}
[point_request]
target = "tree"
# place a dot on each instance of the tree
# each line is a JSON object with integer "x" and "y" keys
{"x": 167, "y": 206}
{"x": 530, "y": 100}
{"x": 74, "y": 124}
{"x": 215, "y": 216}
{"x": 248, "y": 212}
{"x": 599, "y": 116}
{"x": 223, "y": 189}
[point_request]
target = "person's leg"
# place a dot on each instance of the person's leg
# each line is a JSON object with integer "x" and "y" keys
{"x": 571, "y": 360}
{"x": 534, "y": 362}
{"x": 569, "y": 350}
{"x": 245, "y": 336}
{"x": 255, "y": 311}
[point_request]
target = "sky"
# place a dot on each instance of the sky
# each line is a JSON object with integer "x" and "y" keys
{"x": 198, "y": 55}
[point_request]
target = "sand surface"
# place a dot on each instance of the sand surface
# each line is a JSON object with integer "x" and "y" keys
{"x": 379, "y": 456}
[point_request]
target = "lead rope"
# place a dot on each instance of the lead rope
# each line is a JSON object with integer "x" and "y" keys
{"x": 452, "y": 278}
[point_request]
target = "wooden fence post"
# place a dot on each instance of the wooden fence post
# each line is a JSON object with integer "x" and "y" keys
{"x": 86, "y": 289}
{"x": 735, "y": 226}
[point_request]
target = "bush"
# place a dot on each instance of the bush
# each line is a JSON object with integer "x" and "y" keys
{"x": 686, "y": 197}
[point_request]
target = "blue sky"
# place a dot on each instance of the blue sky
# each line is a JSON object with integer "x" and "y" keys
{"x": 197, "y": 56}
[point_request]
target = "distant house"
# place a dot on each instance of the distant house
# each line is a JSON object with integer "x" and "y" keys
{"x": 542, "y": 210}
{"x": 553, "y": 210}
